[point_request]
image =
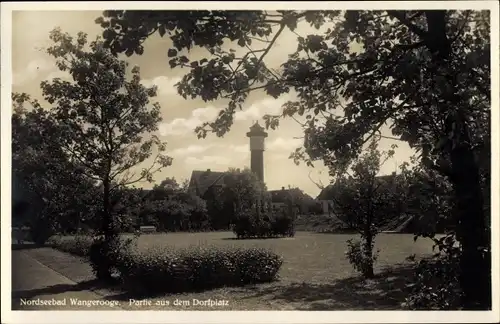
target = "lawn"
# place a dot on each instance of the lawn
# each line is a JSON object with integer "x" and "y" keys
{"x": 315, "y": 274}
{"x": 309, "y": 257}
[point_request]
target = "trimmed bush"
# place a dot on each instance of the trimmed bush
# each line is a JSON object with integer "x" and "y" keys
{"x": 282, "y": 225}
{"x": 253, "y": 224}
{"x": 173, "y": 270}
{"x": 78, "y": 245}
{"x": 195, "y": 268}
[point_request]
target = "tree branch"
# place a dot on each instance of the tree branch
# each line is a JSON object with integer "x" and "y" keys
{"x": 401, "y": 16}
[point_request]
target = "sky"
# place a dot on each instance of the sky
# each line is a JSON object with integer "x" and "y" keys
{"x": 31, "y": 65}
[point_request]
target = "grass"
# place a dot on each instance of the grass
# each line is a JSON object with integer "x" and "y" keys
{"x": 315, "y": 273}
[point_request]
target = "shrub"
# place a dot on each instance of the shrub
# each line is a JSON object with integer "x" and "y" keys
{"x": 253, "y": 224}
{"x": 245, "y": 224}
{"x": 436, "y": 286}
{"x": 170, "y": 270}
{"x": 78, "y": 245}
{"x": 195, "y": 268}
{"x": 105, "y": 254}
{"x": 282, "y": 225}
{"x": 359, "y": 258}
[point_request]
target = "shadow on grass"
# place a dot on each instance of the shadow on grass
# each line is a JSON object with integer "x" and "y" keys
{"x": 25, "y": 246}
{"x": 335, "y": 231}
{"x": 255, "y": 238}
{"x": 384, "y": 292}
{"x": 62, "y": 288}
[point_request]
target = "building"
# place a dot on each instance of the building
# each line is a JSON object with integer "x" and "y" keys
{"x": 201, "y": 181}
{"x": 301, "y": 200}
{"x": 327, "y": 193}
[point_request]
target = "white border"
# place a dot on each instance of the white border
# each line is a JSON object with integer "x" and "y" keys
{"x": 9, "y": 316}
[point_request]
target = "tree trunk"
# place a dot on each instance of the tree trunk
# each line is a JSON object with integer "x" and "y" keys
{"x": 368, "y": 251}
{"x": 475, "y": 268}
{"x": 107, "y": 221}
{"x": 108, "y": 229}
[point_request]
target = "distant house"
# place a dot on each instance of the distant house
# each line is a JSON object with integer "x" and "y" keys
{"x": 403, "y": 224}
{"x": 280, "y": 198}
{"x": 202, "y": 181}
{"x": 326, "y": 195}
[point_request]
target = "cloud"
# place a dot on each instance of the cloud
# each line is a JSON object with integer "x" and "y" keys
{"x": 182, "y": 126}
{"x": 32, "y": 71}
{"x": 243, "y": 148}
{"x": 190, "y": 150}
{"x": 235, "y": 151}
{"x": 279, "y": 157}
{"x": 283, "y": 144}
{"x": 260, "y": 108}
{"x": 208, "y": 160}
{"x": 166, "y": 85}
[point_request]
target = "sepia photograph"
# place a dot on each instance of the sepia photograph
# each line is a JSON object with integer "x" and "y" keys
{"x": 250, "y": 157}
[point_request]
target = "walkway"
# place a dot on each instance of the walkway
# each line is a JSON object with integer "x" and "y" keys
{"x": 37, "y": 287}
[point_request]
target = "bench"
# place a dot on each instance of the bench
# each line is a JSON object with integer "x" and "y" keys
{"x": 147, "y": 229}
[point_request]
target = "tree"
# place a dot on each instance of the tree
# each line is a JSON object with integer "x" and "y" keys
{"x": 243, "y": 189}
{"x": 426, "y": 74}
{"x": 430, "y": 201}
{"x": 174, "y": 209}
{"x": 367, "y": 202}
{"x": 58, "y": 194}
{"x": 103, "y": 118}
{"x": 240, "y": 189}
{"x": 219, "y": 211}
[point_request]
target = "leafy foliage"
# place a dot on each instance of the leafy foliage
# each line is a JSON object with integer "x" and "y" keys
{"x": 437, "y": 283}
{"x": 240, "y": 190}
{"x": 104, "y": 254}
{"x": 171, "y": 208}
{"x": 79, "y": 245}
{"x": 425, "y": 73}
{"x": 363, "y": 198}
{"x": 102, "y": 118}
{"x": 257, "y": 223}
{"x": 195, "y": 268}
{"x": 175, "y": 270}
{"x": 366, "y": 203}
{"x": 430, "y": 201}
{"x": 361, "y": 256}
{"x": 243, "y": 188}
{"x": 54, "y": 194}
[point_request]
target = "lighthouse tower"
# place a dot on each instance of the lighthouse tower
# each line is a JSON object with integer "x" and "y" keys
{"x": 257, "y": 136}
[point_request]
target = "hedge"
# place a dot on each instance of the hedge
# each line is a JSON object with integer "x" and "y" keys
{"x": 78, "y": 245}
{"x": 251, "y": 224}
{"x": 195, "y": 268}
{"x": 169, "y": 270}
